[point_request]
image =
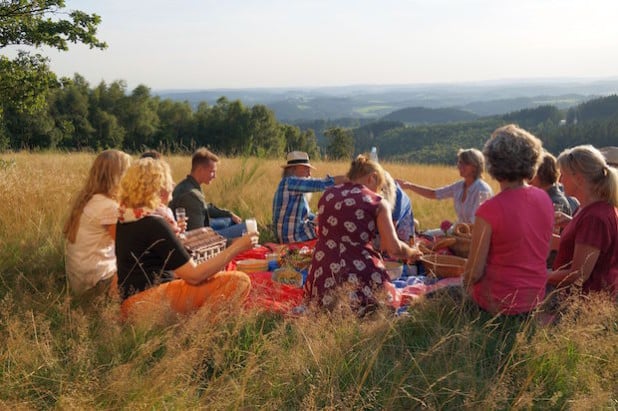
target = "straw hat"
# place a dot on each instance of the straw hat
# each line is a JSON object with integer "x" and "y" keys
{"x": 611, "y": 155}
{"x": 298, "y": 158}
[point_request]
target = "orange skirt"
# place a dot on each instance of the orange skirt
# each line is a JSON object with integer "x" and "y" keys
{"x": 226, "y": 289}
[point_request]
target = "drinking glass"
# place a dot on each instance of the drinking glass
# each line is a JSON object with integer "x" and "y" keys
{"x": 558, "y": 209}
{"x": 181, "y": 217}
{"x": 251, "y": 224}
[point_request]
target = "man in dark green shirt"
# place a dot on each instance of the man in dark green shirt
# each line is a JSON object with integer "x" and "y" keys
{"x": 189, "y": 195}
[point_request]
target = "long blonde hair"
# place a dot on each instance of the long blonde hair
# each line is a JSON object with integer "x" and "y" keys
{"x": 103, "y": 178}
{"x": 587, "y": 161}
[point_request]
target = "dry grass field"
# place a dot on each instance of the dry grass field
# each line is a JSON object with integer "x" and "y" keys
{"x": 56, "y": 354}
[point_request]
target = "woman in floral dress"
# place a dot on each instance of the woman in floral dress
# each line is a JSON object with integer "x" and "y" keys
{"x": 350, "y": 216}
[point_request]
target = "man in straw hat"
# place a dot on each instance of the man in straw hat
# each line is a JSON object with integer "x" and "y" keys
{"x": 292, "y": 218}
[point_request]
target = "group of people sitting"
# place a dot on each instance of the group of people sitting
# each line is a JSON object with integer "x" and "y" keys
{"x": 118, "y": 225}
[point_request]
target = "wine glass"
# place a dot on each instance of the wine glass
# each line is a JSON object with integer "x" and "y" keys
{"x": 181, "y": 218}
{"x": 558, "y": 210}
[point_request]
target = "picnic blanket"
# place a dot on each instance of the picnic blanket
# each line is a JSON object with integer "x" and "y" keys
{"x": 273, "y": 296}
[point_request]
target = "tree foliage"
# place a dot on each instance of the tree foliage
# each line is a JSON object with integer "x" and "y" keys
{"x": 25, "y": 81}
{"x": 340, "y": 143}
{"x": 45, "y": 23}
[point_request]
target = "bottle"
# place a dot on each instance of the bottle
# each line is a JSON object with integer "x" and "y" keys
{"x": 373, "y": 155}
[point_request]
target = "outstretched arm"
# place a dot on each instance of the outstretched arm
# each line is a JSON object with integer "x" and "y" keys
{"x": 421, "y": 190}
{"x": 196, "y": 273}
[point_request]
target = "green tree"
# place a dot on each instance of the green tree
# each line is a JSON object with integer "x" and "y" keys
{"x": 26, "y": 79}
{"x": 340, "y": 143}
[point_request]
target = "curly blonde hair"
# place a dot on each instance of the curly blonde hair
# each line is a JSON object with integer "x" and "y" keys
{"x": 103, "y": 178}
{"x": 143, "y": 182}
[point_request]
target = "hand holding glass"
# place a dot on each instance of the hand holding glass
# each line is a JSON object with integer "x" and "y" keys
{"x": 558, "y": 210}
{"x": 251, "y": 225}
{"x": 181, "y": 218}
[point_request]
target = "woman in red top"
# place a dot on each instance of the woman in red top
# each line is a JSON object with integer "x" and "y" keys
{"x": 588, "y": 251}
{"x": 506, "y": 271}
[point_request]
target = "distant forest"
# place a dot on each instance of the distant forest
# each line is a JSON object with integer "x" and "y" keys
{"x": 76, "y": 116}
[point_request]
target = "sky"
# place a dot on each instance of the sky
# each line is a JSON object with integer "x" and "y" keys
{"x": 211, "y": 44}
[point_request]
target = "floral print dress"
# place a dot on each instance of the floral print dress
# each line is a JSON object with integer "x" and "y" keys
{"x": 344, "y": 256}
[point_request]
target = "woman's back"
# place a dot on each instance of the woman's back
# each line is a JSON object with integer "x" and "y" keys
{"x": 521, "y": 223}
{"x": 347, "y": 215}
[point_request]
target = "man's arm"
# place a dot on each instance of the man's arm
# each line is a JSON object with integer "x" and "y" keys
{"x": 311, "y": 185}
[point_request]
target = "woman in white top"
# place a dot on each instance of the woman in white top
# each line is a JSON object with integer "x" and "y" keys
{"x": 91, "y": 227}
{"x": 467, "y": 194}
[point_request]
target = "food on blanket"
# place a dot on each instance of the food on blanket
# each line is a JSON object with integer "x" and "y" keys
{"x": 463, "y": 230}
{"x": 444, "y": 243}
{"x": 299, "y": 259}
{"x": 289, "y": 276}
{"x": 252, "y": 265}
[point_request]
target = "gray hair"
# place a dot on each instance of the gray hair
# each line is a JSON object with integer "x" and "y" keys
{"x": 512, "y": 154}
{"x": 473, "y": 157}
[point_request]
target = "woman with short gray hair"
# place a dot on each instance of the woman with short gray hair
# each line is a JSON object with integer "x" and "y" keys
{"x": 467, "y": 194}
{"x": 506, "y": 271}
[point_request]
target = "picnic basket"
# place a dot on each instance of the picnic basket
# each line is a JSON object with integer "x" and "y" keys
{"x": 442, "y": 265}
{"x": 203, "y": 243}
{"x": 461, "y": 248}
{"x": 463, "y": 237}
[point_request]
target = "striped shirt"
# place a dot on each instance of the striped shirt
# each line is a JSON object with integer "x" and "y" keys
{"x": 292, "y": 218}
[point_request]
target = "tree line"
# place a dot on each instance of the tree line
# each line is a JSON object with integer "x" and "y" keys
{"x": 40, "y": 111}
{"x": 76, "y": 116}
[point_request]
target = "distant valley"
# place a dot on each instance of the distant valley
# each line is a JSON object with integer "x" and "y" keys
{"x": 409, "y": 104}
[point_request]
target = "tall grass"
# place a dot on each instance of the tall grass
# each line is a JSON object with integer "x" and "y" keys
{"x": 444, "y": 354}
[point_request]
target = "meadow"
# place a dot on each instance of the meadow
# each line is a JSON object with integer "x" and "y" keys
{"x": 444, "y": 354}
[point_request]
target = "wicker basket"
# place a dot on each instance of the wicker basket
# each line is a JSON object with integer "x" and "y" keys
{"x": 461, "y": 248}
{"x": 203, "y": 243}
{"x": 444, "y": 265}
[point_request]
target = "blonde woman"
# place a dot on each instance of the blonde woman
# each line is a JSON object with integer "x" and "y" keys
{"x": 154, "y": 269}
{"x": 588, "y": 251}
{"x": 90, "y": 229}
{"x": 350, "y": 216}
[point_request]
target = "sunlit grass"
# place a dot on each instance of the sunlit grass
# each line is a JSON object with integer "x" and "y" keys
{"x": 445, "y": 354}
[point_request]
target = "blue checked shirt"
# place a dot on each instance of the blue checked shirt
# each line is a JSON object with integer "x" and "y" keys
{"x": 292, "y": 218}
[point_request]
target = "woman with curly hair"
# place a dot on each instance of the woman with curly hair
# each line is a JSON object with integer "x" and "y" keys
{"x": 506, "y": 268}
{"x": 154, "y": 268}
{"x": 91, "y": 227}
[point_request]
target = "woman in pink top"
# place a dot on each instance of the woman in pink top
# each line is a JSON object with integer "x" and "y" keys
{"x": 588, "y": 251}
{"x": 506, "y": 271}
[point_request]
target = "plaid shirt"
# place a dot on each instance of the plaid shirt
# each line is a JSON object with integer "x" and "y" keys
{"x": 292, "y": 218}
